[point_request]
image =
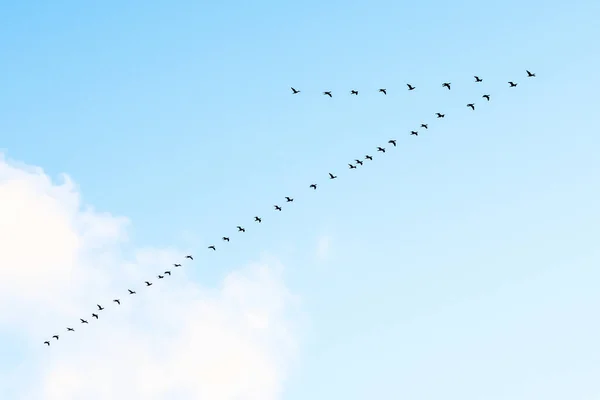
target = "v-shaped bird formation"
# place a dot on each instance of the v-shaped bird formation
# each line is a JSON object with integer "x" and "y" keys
{"x": 358, "y": 162}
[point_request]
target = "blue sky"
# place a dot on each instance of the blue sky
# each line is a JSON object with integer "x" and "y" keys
{"x": 462, "y": 264}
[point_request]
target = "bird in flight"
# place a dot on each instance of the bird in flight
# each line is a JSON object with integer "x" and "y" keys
{"x": 313, "y": 186}
{"x": 512, "y": 84}
{"x": 47, "y": 342}
{"x": 486, "y": 96}
{"x": 440, "y": 115}
{"x": 117, "y": 301}
{"x": 384, "y": 91}
{"x": 446, "y": 84}
{"x": 83, "y": 321}
{"x": 410, "y": 87}
{"x": 354, "y": 92}
{"x": 131, "y": 291}
{"x": 530, "y": 74}
{"x": 414, "y": 133}
{"x": 95, "y": 315}
{"x": 177, "y": 265}
{"x": 359, "y": 162}
{"x": 100, "y": 308}
{"x": 472, "y": 105}
{"x": 168, "y": 273}
{"x": 148, "y": 283}
{"x": 212, "y": 247}
{"x": 257, "y": 219}
{"x": 352, "y": 166}
{"x": 190, "y": 257}
{"x": 277, "y": 207}
{"x": 295, "y": 91}
{"x": 225, "y": 239}
{"x": 478, "y": 79}
{"x": 70, "y": 329}
{"x": 332, "y": 176}
{"x": 368, "y": 157}
{"x": 392, "y": 141}
{"x": 55, "y": 337}
{"x": 424, "y": 126}
{"x": 327, "y": 94}
{"x": 288, "y": 199}
{"x": 160, "y": 276}
{"x": 240, "y": 229}
{"x": 381, "y": 149}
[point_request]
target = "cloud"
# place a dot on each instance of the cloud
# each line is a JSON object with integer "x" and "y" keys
{"x": 176, "y": 339}
{"x": 323, "y": 247}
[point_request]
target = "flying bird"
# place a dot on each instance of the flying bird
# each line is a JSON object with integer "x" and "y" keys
{"x": 177, "y": 265}
{"x": 83, "y": 321}
{"x": 414, "y": 133}
{"x": 117, "y": 301}
{"x": 288, "y": 199}
{"x": 168, "y": 273}
{"x": 359, "y": 162}
{"x": 486, "y": 96}
{"x": 148, "y": 283}
{"x": 446, "y": 84}
{"x": 100, "y": 308}
{"x": 47, "y": 342}
{"x": 131, "y": 291}
{"x": 313, "y": 186}
{"x": 240, "y": 229}
{"x": 277, "y": 207}
{"x": 512, "y": 84}
{"x": 257, "y": 219}
{"x": 368, "y": 157}
{"x": 530, "y": 74}
{"x": 472, "y": 105}
{"x": 212, "y": 247}
{"x": 424, "y": 126}
{"x": 55, "y": 337}
{"x": 225, "y": 239}
{"x": 70, "y": 329}
{"x": 354, "y": 92}
{"x": 332, "y": 176}
{"x": 410, "y": 87}
{"x": 381, "y": 149}
{"x": 295, "y": 91}
{"x": 160, "y": 276}
{"x": 190, "y": 257}
{"x": 384, "y": 91}
{"x": 95, "y": 315}
{"x": 327, "y": 94}
{"x": 440, "y": 115}
{"x": 478, "y": 79}
{"x": 351, "y": 166}
{"x": 392, "y": 141}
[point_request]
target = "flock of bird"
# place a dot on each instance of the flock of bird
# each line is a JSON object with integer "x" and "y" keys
{"x": 313, "y": 186}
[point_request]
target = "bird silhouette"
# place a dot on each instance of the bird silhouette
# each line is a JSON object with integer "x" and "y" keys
{"x": 55, "y": 337}
{"x": 117, "y": 301}
{"x": 392, "y": 141}
{"x": 70, "y": 329}
{"x": 414, "y": 133}
{"x": 486, "y": 96}
{"x": 440, "y": 115}
{"x": 368, "y": 157}
{"x": 177, "y": 265}
{"x": 100, "y": 308}
{"x": 240, "y": 229}
{"x": 277, "y": 207}
{"x": 381, "y": 149}
{"x": 148, "y": 283}
{"x": 384, "y": 91}
{"x": 160, "y": 276}
{"x": 354, "y": 92}
{"x": 225, "y": 239}
{"x": 327, "y": 94}
{"x": 359, "y": 162}
{"x": 47, "y": 342}
{"x": 295, "y": 91}
{"x": 288, "y": 199}
{"x": 530, "y": 74}
{"x": 257, "y": 219}
{"x": 190, "y": 257}
{"x": 212, "y": 247}
{"x": 332, "y": 176}
{"x": 446, "y": 84}
{"x": 472, "y": 105}
{"x": 410, "y": 87}
{"x": 313, "y": 186}
{"x": 131, "y": 291}
{"x": 424, "y": 126}
{"x": 512, "y": 84}
{"x": 168, "y": 273}
{"x": 95, "y": 316}
{"x": 352, "y": 166}
{"x": 83, "y": 321}
{"x": 478, "y": 79}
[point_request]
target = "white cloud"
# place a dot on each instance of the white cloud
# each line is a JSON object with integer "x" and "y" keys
{"x": 323, "y": 247}
{"x": 176, "y": 339}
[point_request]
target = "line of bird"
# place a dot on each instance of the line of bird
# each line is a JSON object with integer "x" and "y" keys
{"x": 446, "y": 85}
{"x": 257, "y": 219}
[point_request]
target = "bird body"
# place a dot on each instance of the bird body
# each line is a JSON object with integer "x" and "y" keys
{"x": 131, "y": 291}
{"x": 439, "y": 115}
{"x": 295, "y": 91}
{"x": 392, "y": 141}
{"x": 410, "y": 87}
{"x": 384, "y": 91}
{"x": 414, "y": 133}
{"x": 478, "y": 79}
{"x": 351, "y": 166}
{"x": 486, "y": 96}
{"x": 313, "y": 186}
{"x": 359, "y": 162}
{"x": 530, "y": 74}
{"x": 117, "y": 301}
{"x": 225, "y": 239}
{"x": 288, "y": 199}
{"x": 331, "y": 176}
{"x": 177, "y": 265}
{"x": 190, "y": 257}
{"x": 512, "y": 84}
{"x": 100, "y": 308}
{"x": 258, "y": 219}
{"x": 55, "y": 337}
{"x": 354, "y": 92}
{"x": 160, "y": 276}
{"x": 327, "y": 94}
{"x": 472, "y": 105}
{"x": 167, "y": 272}
{"x": 240, "y": 229}
{"x": 277, "y": 207}
{"x": 95, "y": 316}
{"x": 70, "y": 330}
{"x": 148, "y": 283}
{"x": 381, "y": 149}
{"x": 47, "y": 343}
{"x": 368, "y": 157}
{"x": 83, "y": 321}
{"x": 446, "y": 84}
{"x": 212, "y": 247}
{"x": 424, "y": 126}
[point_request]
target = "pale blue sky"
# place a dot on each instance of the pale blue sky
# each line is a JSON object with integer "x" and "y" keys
{"x": 463, "y": 264}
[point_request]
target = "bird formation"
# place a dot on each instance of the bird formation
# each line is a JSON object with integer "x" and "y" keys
{"x": 357, "y": 163}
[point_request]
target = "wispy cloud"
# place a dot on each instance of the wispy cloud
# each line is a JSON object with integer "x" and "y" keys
{"x": 323, "y": 247}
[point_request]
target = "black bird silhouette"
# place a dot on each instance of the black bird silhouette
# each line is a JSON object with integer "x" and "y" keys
{"x": 512, "y": 84}
{"x": 440, "y": 115}
{"x": 70, "y": 329}
{"x": 160, "y": 276}
{"x": 257, "y": 219}
{"x": 148, "y": 283}
{"x": 212, "y": 247}
{"x": 530, "y": 74}
{"x": 83, "y": 321}
{"x": 47, "y": 342}
{"x": 414, "y": 133}
{"x": 359, "y": 162}
{"x": 410, "y": 87}
{"x": 424, "y": 126}
{"x": 313, "y": 186}
{"x": 225, "y": 238}
{"x": 100, "y": 308}
{"x": 446, "y": 84}
{"x": 478, "y": 79}
{"x": 168, "y": 273}
{"x": 240, "y": 229}
{"x": 288, "y": 199}
{"x": 486, "y": 96}
{"x": 332, "y": 176}
{"x": 177, "y": 265}
{"x": 383, "y": 91}
{"x": 117, "y": 301}
{"x": 327, "y": 94}
{"x": 472, "y": 105}
{"x": 277, "y": 207}
{"x": 190, "y": 257}
{"x": 131, "y": 291}
{"x": 354, "y": 92}
{"x": 295, "y": 91}
{"x": 95, "y": 316}
{"x": 392, "y": 141}
{"x": 55, "y": 337}
{"x": 368, "y": 157}
{"x": 381, "y": 149}
{"x": 351, "y": 166}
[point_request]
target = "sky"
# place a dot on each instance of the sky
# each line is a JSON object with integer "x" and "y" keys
{"x": 461, "y": 264}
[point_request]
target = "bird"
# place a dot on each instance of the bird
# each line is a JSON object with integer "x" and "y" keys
{"x": 258, "y": 219}
{"x": 478, "y": 79}
{"x": 100, "y": 308}
{"x": 177, "y": 265}
{"x": 530, "y": 74}
{"x": 424, "y": 126}
{"x": 392, "y": 141}
{"x": 381, "y": 149}
{"x": 70, "y": 329}
{"x": 472, "y": 105}
{"x": 168, "y": 273}
{"x": 131, "y": 291}
{"x": 288, "y": 199}
{"x": 55, "y": 337}
{"x": 190, "y": 257}
{"x": 148, "y": 283}
{"x": 354, "y": 92}
{"x": 332, "y": 176}
{"x": 117, "y": 301}
{"x": 83, "y": 321}
{"x": 95, "y": 315}
{"x": 446, "y": 84}
{"x": 384, "y": 91}
{"x": 352, "y": 166}
{"x": 160, "y": 276}
{"x": 359, "y": 162}
{"x": 313, "y": 186}
{"x": 240, "y": 229}
{"x": 212, "y": 247}
{"x": 486, "y": 96}
{"x": 47, "y": 342}
{"x": 440, "y": 115}
{"x": 295, "y": 91}
{"x": 410, "y": 87}
{"x": 414, "y": 133}
{"x": 277, "y": 207}
{"x": 225, "y": 239}
{"x": 327, "y": 94}
{"x": 512, "y": 84}
{"x": 368, "y": 157}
